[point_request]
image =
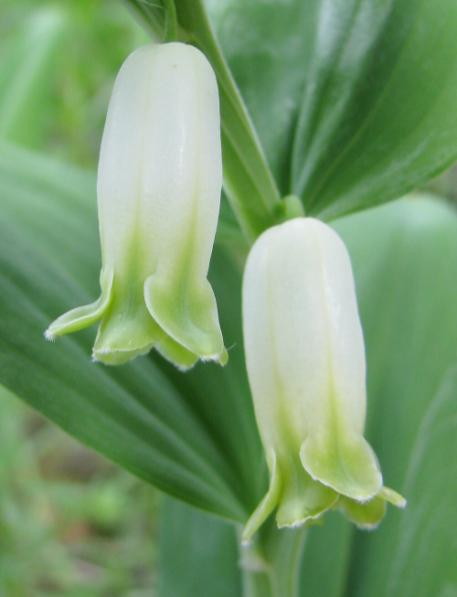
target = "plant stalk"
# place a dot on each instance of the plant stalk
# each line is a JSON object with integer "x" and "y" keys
{"x": 271, "y": 564}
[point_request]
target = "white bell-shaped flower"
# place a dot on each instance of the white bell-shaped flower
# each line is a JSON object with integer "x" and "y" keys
{"x": 306, "y": 366}
{"x": 159, "y": 185}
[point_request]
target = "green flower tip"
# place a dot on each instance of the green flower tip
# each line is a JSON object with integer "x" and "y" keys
{"x": 130, "y": 328}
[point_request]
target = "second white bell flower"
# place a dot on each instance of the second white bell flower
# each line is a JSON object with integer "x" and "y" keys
{"x": 306, "y": 366}
{"x": 159, "y": 185}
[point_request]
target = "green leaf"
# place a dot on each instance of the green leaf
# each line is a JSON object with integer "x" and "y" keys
{"x": 206, "y": 562}
{"x": 265, "y": 44}
{"x": 377, "y": 116}
{"x": 325, "y": 558}
{"x": 354, "y": 101}
{"x": 428, "y": 535}
{"x": 405, "y": 258}
{"x": 191, "y": 435}
{"x": 152, "y": 13}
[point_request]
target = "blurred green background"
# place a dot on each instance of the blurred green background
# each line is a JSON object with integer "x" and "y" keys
{"x": 58, "y": 60}
{"x": 70, "y": 522}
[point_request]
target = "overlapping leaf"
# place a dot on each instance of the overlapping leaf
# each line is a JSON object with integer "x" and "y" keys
{"x": 406, "y": 272}
{"x": 405, "y": 259}
{"x": 192, "y": 435}
{"x": 207, "y": 561}
{"x": 353, "y": 100}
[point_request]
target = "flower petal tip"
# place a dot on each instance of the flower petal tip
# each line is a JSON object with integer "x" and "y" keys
{"x": 49, "y": 335}
{"x": 367, "y": 526}
{"x": 246, "y": 541}
{"x": 221, "y": 358}
{"x": 297, "y": 523}
{"x": 393, "y": 497}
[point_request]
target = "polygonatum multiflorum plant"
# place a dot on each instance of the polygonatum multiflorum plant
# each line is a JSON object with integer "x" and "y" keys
{"x": 229, "y": 364}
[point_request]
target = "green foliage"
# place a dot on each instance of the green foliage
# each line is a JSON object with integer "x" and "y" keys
{"x": 28, "y": 58}
{"x": 411, "y": 331}
{"x": 431, "y": 479}
{"x": 410, "y": 324}
{"x": 353, "y": 103}
{"x": 139, "y": 415}
{"x": 396, "y": 251}
{"x": 66, "y": 521}
{"x": 206, "y": 562}
{"x": 53, "y": 94}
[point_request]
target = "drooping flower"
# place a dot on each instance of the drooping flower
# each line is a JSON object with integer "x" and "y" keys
{"x": 306, "y": 366}
{"x": 158, "y": 188}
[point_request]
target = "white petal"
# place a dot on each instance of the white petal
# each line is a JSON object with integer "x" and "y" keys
{"x": 160, "y": 170}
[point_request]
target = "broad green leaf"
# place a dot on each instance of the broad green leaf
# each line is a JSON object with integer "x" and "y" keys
{"x": 428, "y": 535}
{"x": 198, "y": 554}
{"x": 353, "y": 100}
{"x": 405, "y": 256}
{"x": 152, "y": 13}
{"x": 191, "y": 435}
{"x": 377, "y": 115}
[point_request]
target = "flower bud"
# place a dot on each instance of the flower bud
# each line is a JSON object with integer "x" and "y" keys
{"x": 306, "y": 367}
{"x": 158, "y": 188}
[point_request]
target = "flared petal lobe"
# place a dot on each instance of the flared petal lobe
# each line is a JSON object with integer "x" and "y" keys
{"x": 306, "y": 365}
{"x": 158, "y": 188}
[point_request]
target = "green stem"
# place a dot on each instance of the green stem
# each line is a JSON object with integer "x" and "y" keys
{"x": 270, "y": 566}
{"x": 256, "y": 584}
{"x": 171, "y": 21}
